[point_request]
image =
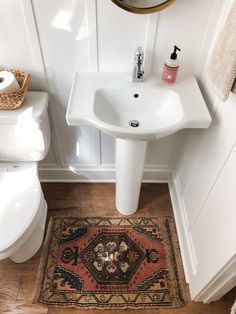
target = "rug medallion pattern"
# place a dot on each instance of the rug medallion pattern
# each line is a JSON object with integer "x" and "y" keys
{"x": 110, "y": 263}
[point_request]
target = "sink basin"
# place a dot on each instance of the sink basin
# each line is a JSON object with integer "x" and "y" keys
{"x": 111, "y": 102}
{"x": 154, "y": 110}
{"x": 134, "y": 113}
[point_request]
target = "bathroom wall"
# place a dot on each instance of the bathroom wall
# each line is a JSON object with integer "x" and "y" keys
{"x": 52, "y": 39}
{"x": 205, "y": 188}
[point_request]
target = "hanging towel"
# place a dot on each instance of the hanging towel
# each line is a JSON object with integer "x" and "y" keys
{"x": 222, "y": 66}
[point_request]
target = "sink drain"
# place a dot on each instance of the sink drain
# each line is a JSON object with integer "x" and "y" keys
{"x": 134, "y": 123}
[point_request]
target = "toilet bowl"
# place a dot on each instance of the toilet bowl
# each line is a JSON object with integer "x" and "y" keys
{"x": 22, "y": 211}
{"x": 24, "y": 139}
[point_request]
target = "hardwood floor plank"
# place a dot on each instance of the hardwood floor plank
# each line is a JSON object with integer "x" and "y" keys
{"x": 21, "y": 307}
{"x": 27, "y": 285}
{"x": 98, "y": 199}
{"x": 9, "y": 267}
{"x": 9, "y": 287}
{"x": 80, "y": 195}
{"x": 219, "y": 307}
{"x": 89, "y": 199}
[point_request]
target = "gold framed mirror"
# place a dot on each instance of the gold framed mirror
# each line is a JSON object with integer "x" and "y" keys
{"x": 143, "y": 6}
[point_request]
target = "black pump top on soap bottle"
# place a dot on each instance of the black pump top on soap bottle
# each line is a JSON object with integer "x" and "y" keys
{"x": 173, "y": 56}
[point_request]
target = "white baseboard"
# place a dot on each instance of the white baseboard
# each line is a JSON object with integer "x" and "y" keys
{"x": 186, "y": 246}
{"x": 150, "y": 174}
{"x": 223, "y": 282}
{"x": 76, "y": 175}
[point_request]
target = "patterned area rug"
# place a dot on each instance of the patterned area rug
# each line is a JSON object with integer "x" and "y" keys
{"x": 111, "y": 263}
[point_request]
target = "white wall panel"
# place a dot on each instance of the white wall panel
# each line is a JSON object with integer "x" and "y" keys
{"x": 63, "y": 32}
{"x": 183, "y": 24}
{"x": 214, "y": 233}
{"x": 212, "y": 151}
{"x": 159, "y": 153}
{"x": 84, "y": 150}
{"x": 69, "y": 37}
{"x": 186, "y": 146}
{"x": 50, "y": 159}
{"x": 107, "y": 150}
{"x": 206, "y": 198}
{"x": 119, "y": 34}
{"x": 203, "y": 153}
{"x": 15, "y": 49}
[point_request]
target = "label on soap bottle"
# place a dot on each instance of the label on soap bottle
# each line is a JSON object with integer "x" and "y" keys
{"x": 169, "y": 74}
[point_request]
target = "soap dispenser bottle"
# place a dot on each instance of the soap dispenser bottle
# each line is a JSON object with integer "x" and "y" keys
{"x": 171, "y": 67}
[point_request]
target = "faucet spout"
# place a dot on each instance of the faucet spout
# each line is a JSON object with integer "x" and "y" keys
{"x": 138, "y": 69}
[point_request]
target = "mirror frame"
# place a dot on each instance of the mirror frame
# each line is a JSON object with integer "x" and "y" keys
{"x": 147, "y": 10}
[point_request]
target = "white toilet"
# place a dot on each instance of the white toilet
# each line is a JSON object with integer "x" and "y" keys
{"x": 24, "y": 140}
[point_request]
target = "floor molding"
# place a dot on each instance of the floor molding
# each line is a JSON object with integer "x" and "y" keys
{"x": 186, "y": 247}
{"x": 71, "y": 174}
{"x": 223, "y": 282}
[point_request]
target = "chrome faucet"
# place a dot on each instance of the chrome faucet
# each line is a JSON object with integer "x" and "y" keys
{"x": 138, "y": 70}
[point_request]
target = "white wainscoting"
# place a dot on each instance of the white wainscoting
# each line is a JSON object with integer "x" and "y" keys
{"x": 215, "y": 274}
{"x": 203, "y": 194}
{"x": 61, "y": 36}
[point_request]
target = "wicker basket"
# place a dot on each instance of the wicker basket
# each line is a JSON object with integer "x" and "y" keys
{"x": 13, "y": 100}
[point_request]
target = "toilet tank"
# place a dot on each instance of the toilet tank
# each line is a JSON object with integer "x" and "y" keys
{"x": 25, "y": 132}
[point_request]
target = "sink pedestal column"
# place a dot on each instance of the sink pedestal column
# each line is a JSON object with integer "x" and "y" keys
{"x": 130, "y": 157}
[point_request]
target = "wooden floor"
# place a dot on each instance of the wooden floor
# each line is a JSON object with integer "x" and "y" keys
{"x": 17, "y": 280}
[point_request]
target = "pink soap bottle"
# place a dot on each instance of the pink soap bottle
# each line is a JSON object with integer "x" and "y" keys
{"x": 171, "y": 67}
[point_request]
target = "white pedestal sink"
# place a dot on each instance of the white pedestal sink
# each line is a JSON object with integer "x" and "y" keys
{"x": 134, "y": 113}
{"x": 130, "y": 157}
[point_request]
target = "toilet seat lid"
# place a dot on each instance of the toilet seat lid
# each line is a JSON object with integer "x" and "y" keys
{"x": 20, "y": 192}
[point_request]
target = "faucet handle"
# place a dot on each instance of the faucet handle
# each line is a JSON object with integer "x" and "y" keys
{"x": 139, "y": 50}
